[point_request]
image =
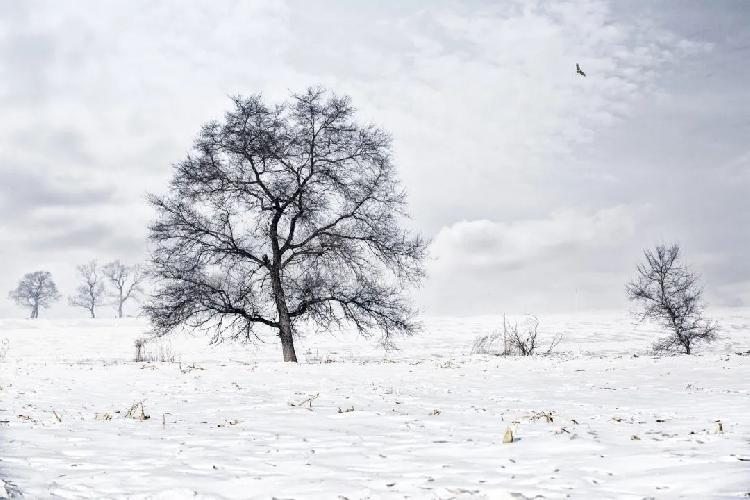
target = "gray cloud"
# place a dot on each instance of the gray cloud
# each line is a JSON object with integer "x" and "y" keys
{"x": 24, "y": 191}
{"x": 94, "y": 237}
{"x": 25, "y": 57}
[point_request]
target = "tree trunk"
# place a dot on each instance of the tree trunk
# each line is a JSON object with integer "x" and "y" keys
{"x": 93, "y": 314}
{"x": 285, "y": 326}
{"x": 119, "y": 309}
{"x": 287, "y": 344}
{"x": 35, "y": 311}
{"x": 285, "y": 323}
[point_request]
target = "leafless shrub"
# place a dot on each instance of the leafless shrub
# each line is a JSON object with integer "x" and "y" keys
{"x": 524, "y": 342}
{"x": 514, "y": 341}
{"x": 164, "y": 353}
{"x": 317, "y": 358}
{"x": 159, "y": 352}
{"x": 140, "y": 344}
{"x": 4, "y": 346}
{"x": 493, "y": 343}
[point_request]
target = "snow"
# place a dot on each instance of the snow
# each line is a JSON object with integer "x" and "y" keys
{"x": 353, "y": 420}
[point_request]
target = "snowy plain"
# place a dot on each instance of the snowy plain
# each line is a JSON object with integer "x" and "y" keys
{"x": 601, "y": 418}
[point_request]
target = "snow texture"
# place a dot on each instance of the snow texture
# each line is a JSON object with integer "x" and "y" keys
{"x": 425, "y": 420}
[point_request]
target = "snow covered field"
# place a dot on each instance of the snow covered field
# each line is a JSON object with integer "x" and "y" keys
{"x": 355, "y": 421}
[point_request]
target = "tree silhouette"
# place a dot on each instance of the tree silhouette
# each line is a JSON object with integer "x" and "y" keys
{"x": 283, "y": 214}
{"x": 35, "y": 290}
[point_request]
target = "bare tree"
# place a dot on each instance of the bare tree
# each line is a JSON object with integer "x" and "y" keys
{"x": 125, "y": 280}
{"x": 670, "y": 294}
{"x": 90, "y": 293}
{"x": 284, "y": 214}
{"x": 35, "y": 290}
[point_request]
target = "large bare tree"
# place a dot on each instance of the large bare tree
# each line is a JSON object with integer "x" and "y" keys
{"x": 280, "y": 215}
{"x": 670, "y": 294}
{"x": 126, "y": 282}
{"x": 90, "y": 293}
{"x": 35, "y": 290}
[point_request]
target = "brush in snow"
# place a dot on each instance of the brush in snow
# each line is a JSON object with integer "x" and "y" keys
{"x": 136, "y": 412}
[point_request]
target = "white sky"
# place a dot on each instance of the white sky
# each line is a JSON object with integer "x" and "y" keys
{"x": 538, "y": 187}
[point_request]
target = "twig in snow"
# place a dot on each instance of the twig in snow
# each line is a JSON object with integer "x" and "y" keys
{"x": 136, "y": 412}
{"x": 190, "y": 368}
{"x": 546, "y": 415}
{"x": 229, "y": 422}
{"x": 308, "y": 401}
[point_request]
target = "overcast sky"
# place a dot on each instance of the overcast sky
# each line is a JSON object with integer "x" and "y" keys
{"x": 538, "y": 187}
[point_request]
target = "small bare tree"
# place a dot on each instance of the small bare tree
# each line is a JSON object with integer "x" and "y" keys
{"x": 285, "y": 214}
{"x": 35, "y": 290}
{"x": 670, "y": 294}
{"x": 90, "y": 293}
{"x": 126, "y": 282}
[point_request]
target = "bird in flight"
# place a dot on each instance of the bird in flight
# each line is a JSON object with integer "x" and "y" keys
{"x": 579, "y": 70}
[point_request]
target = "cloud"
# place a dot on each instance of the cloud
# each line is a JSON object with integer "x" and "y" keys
{"x": 483, "y": 101}
{"x": 25, "y": 56}
{"x": 547, "y": 170}
{"x": 27, "y": 190}
{"x": 92, "y": 237}
{"x": 484, "y": 245}
{"x": 571, "y": 260}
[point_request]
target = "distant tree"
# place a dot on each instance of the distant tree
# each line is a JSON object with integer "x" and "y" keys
{"x": 670, "y": 294}
{"x": 126, "y": 282}
{"x": 90, "y": 293}
{"x": 35, "y": 290}
{"x": 284, "y": 214}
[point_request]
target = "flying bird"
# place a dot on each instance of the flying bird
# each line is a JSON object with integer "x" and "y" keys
{"x": 579, "y": 70}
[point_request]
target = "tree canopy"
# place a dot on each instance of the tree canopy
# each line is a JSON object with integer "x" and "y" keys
{"x": 282, "y": 214}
